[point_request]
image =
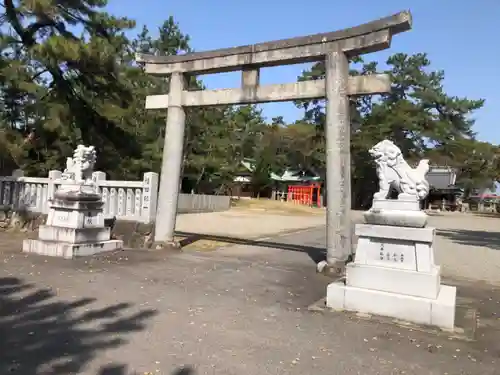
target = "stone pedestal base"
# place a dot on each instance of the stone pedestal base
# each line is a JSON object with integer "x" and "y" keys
{"x": 394, "y": 275}
{"x": 75, "y": 227}
{"x": 400, "y": 281}
{"x": 439, "y": 312}
{"x": 69, "y": 250}
{"x": 71, "y": 213}
{"x": 396, "y": 212}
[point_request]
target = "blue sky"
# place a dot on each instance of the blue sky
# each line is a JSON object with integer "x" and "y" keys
{"x": 458, "y": 36}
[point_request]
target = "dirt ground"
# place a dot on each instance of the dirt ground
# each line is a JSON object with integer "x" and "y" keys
{"x": 238, "y": 310}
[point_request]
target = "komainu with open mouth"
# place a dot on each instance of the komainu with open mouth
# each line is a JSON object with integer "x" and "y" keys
{"x": 394, "y": 172}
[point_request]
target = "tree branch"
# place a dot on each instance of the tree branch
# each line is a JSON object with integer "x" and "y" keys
{"x": 10, "y": 12}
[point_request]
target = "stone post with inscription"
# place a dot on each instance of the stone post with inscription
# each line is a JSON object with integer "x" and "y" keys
{"x": 338, "y": 163}
{"x": 75, "y": 221}
{"x": 149, "y": 196}
{"x": 393, "y": 273}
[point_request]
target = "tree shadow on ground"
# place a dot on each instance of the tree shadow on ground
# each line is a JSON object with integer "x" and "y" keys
{"x": 493, "y": 215}
{"x": 490, "y": 240}
{"x": 122, "y": 370}
{"x": 40, "y": 334}
{"x": 317, "y": 254}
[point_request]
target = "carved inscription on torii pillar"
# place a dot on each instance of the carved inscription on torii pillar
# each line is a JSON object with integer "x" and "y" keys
{"x": 335, "y": 48}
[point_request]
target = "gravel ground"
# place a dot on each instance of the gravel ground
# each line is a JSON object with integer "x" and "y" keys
{"x": 239, "y": 310}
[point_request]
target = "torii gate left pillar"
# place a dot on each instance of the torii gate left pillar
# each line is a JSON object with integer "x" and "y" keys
{"x": 171, "y": 167}
{"x": 335, "y": 48}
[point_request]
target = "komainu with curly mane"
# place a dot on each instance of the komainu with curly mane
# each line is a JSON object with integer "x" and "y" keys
{"x": 80, "y": 167}
{"x": 394, "y": 172}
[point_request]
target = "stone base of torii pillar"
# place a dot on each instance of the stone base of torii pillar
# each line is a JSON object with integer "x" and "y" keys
{"x": 393, "y": 273}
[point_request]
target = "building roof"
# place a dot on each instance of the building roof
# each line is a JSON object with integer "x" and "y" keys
{"x": 289, "y": 175}
{"x": 441, "y": 178}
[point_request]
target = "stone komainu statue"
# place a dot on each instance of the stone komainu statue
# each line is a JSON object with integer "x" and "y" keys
{"x": 81, "y": 165}
{"x": 394, "y": 172}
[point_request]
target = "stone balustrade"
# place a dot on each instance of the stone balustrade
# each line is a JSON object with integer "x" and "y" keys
{"x": 126, "y": 200}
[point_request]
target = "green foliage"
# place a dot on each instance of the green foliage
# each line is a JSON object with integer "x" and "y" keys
{"x": 64, "y": 86}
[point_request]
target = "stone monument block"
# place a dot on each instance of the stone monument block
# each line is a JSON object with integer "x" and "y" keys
{"x": 75, "y": 214}
{"x": 393, "y": 272}
{"x": 75, "y": 222}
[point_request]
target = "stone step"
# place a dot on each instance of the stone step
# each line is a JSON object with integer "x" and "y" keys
{"x": 69, "y": 250}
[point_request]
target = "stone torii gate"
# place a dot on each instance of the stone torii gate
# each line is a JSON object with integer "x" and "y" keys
{"x": 335, "y": 48}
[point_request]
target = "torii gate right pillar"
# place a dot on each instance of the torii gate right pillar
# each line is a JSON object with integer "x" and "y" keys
{"x": 338, "y": 161}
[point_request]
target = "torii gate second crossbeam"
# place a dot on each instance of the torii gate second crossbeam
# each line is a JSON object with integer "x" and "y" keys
{"x": 335, "y": 48}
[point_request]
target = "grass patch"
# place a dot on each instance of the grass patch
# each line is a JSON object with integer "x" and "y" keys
{"x": 200, "y": 244}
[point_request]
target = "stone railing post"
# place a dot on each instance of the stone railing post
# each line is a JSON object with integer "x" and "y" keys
{"x": 101, "y": 176}
{"x": 17, "y": 173}
{"x": 54, "y": 176}
{"x": 98, "y": 176}
{"x": 17, "y": 193}
{"x": 479, "y": 206}
{"x": 149, "y": 197}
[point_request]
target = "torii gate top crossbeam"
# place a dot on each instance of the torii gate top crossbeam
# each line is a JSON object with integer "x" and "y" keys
{"x": 369, "y": 37}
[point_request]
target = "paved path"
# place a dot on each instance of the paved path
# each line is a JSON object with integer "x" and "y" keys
{"x": 225, "y": 312}
{"x": 466, "y": 247}
{"x": 244, "y": 224}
